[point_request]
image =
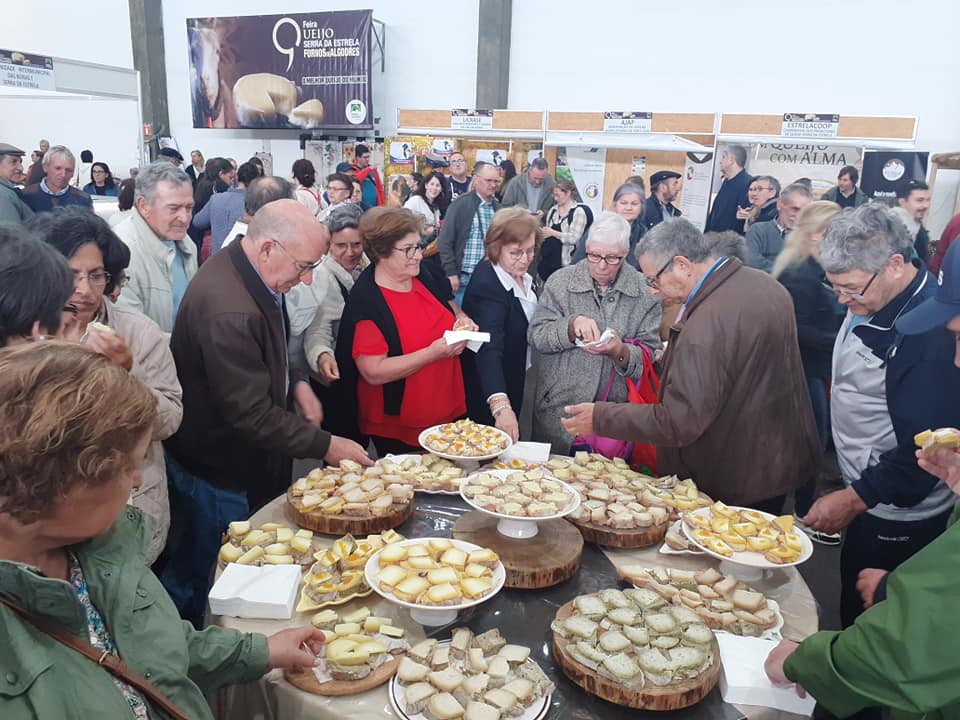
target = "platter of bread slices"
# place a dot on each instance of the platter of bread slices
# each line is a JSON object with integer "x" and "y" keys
{"x": 465, "y": 440}
{"x": 270, "y": 544}
{"x": 620, "y": 507}
{"x": 724, "y": 603}
{"x": 616, "y": 645}
{"x": 429, "y": 473}
{"x": 469, "y": 677}
{"x": 361, "y": 652}
{"x": 349, "y": 498}
{"x": 746, "y": 536}
{"x": 336, "y": 575}
{"x": 436, "y": 577}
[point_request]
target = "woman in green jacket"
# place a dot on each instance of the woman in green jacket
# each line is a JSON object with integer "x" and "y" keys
{"x": 74, "y": 429}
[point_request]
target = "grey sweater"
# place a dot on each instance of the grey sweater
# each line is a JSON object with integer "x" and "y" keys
{"x": 764, "y": 242}
{"x": 12, "y": 208}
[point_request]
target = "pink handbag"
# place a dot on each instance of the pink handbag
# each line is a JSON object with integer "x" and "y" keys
{"x": 608, "y": 447}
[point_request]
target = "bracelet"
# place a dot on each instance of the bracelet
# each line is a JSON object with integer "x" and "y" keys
{"x": 500, "y": 410}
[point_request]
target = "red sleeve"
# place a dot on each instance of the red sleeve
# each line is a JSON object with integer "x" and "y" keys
{"x": 368, "y": 340}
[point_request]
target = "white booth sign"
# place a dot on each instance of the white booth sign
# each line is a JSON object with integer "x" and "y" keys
{"x": 466, "y": 119}
{"x": 627, "y": 121}
{"x": 26, "y": 71}
{"x": 809, "y": 125}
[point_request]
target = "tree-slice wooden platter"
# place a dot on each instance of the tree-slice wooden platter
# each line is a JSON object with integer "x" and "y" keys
{"x": 342, "y": 524}
{"x": 650, "y": 697}
{"x": 625, "y": 539}
{"x": 546, "y": 559}
{"x": 307, "y": 681}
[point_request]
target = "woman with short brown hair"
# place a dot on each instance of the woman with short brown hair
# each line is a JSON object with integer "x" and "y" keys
{"x": 501, "y": 300}
{"x": 390, "y": 346}
{"x": 74, "y": 429}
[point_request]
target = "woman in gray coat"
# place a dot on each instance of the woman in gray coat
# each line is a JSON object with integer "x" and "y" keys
{"x": 579, "y": 303}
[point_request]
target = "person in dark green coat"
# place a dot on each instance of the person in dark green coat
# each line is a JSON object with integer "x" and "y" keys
{"x": 74, "y": 428}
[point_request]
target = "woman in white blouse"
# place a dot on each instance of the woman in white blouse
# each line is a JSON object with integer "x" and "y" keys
{"x": 425, "y": 202}
{"x": 501, "y": 301}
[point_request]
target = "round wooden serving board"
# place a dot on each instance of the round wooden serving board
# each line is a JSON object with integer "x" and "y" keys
{"x": 624, "y": 539}
{"x": 343, "y": 524}
{"x": 547, "y": 559}
{"x": 650, "y": 697}
{"x": 307, "y": 681}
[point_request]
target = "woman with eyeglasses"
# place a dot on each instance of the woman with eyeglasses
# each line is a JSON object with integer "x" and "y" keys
{"x": 390, "y": 344}
{"x": 126, "y": 337}
{"x": 819, "y": 318}
{"x": 500, "y": 298}
{"x": 628, "y": 202}
{"x": 101, "y": 181}
{"x": 577, "y": 305}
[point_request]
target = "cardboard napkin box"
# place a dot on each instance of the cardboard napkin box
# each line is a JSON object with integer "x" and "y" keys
{"x": 264, "y": 593}
{"x": 744, "y": 681}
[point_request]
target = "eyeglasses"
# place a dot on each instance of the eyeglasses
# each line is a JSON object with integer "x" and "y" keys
{"x": 336, "y": 188}
{"x": 98, "y": 278}
{"x": 654, "y": 282}
{"x": 858, "y": 295}
{"x": 302, "y": 267}
{"x": 99, "y": 172}
{"x": 608, "y": 259}
{"x": 410, "y": 251}
{"x": 759, "y": 189}
{"x": 519, "y": 254}
{"x": 458, "y": 162}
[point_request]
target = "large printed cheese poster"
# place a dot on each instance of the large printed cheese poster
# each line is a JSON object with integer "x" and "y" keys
{"x": 308, "y": 71}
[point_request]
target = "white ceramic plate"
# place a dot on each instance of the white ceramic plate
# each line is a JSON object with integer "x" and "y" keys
{"x": 480, "y": 458}
{"x": 746, "y": 557}
{"x": 373, "y": 568}
{"x": 667, "y": 550}
{"x": 536, "y": 711}
{"x": 504, "y": 474}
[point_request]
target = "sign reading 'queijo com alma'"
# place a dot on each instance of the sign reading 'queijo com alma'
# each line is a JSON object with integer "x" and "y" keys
{"x": 307, "y": 70}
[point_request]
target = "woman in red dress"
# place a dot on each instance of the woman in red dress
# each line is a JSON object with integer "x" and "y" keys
{"x": 407, "y": 377}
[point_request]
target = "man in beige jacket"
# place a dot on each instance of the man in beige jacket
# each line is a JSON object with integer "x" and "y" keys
{"x": 163, "y": 259}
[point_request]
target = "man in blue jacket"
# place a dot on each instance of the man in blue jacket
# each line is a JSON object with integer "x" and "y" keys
{"x": 887, "y": 387}
{"x": 733, "y": 191}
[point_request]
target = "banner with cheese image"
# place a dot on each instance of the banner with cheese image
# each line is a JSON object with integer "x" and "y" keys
{"x": 307, "y": 71}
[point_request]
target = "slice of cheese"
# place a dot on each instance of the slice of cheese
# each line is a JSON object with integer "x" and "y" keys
{"x": 259, "y": 97}
{"x": 307, "y": 114}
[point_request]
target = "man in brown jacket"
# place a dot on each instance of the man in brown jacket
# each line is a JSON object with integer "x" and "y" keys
{"x": 234, "y": 449}
{"x": 734, "y": 412}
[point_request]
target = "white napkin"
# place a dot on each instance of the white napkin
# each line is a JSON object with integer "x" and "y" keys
{"x": 744, "y": 682}
{"x": 474, "y": 339}
{"x": 268, "y": 592}
{"x": 528, "y": 451}
{"x": 599, "y": 342}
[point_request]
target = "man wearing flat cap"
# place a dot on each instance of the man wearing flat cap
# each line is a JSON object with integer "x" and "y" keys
{"x": 12, "y": 208}
{"x": 664, "y": 188}
{"x": 171, "y": 155}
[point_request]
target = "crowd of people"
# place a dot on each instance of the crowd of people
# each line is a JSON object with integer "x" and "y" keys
{"x": 230, "y": 321}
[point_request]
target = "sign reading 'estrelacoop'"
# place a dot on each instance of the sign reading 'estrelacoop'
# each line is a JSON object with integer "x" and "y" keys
{"x": 23, "y": 70}
{"x": 307, "y": 70}
{"x": 810, "y": 125}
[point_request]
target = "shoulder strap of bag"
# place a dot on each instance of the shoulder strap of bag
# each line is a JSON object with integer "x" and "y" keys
{"x": 108, "y": 661}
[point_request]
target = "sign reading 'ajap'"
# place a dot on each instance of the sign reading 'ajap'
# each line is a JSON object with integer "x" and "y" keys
{"x": 810, "y": 125}
{"x": 26, "y": 71}
{"x": 629, "y": 121}
{"x": 469, "y": 119}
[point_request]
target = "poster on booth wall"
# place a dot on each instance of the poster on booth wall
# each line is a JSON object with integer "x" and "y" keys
{"x": 884, "y": 172}
{"x": 585, "y": 168}
{"x": 306, "y": 70}
{"x": 325, "y": 156}
{"x": 695, "y": 187}
{"x": 788, "y": 162}
{"x": 403, "y": 157}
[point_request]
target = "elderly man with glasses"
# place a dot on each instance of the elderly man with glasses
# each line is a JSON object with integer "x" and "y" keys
{"x": 733, "y": 412}
{"x": 240, "y": 432}
{"x": 886, "y": 388}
